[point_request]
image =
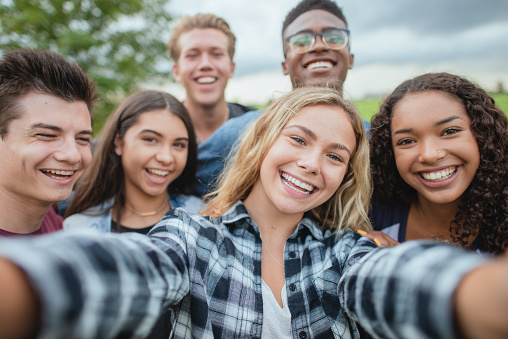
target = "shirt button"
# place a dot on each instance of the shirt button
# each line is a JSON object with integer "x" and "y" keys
{"x": 292, "y": 287}
{"x": 302, "y": 334}
{"x": 292, "y": 254}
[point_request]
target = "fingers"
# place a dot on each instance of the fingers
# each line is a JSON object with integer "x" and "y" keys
{"x": 381, "y": 239}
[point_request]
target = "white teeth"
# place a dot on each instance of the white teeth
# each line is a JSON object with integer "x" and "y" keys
{"x": 158, "y": 172}
{"x": 308, "y": 188}
{"x": 320, "y": 64}
{"x": 58, "y": 172}
{"x": 440, "y": 175}
{"x": 206, "y": 80}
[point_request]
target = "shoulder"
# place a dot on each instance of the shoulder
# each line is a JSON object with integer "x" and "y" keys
{"x": 241, "y": 121}
{"x": 390, "y": 218}
{"x": 97, "y": 217}
{"x": 182, "y": 226}
{"x": 190, "y": 203}
{"x": 52, "y": 222}
{"x": 235, "y": 109}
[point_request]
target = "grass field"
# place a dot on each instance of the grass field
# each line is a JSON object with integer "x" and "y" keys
{"x": 369, "y": 107}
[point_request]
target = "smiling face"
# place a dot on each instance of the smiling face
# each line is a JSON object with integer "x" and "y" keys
{"x": 154, "y": 153}
{"x": 204, "y": 66}
{"x": 319, "y": 65}
{"x": 435, "y": 150}
{"x": 307, "y": 162}
{"x": 46, "y": 149}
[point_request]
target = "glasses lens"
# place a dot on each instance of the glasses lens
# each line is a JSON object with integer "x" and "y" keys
{"x": 301, "y": 42}
{"x": 335, "y": 38}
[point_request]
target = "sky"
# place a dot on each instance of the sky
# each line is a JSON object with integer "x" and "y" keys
{"x": 393, "y": 40}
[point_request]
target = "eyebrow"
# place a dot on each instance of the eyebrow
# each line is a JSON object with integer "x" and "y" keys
{"x": 150, "y": 131}
{"x": 310, "y": 30}
{"x": 159, "y": 134}
{"x": 57, "y": 128}
{"x": 440, "y": 122}
{"x": 313, "y": 136}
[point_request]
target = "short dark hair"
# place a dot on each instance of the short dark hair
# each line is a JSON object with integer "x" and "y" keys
{"x": 308, "y": 5}
{"x": 25, "y": 71}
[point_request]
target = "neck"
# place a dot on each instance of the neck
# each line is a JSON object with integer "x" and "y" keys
{"x": 20, "y": 216}
{"x": 207, "y": 119}
{"x": 142, "y": 211}
{"x": 145, "y": 204}
{"x": 272, "y": 222}
{"x": 439, "y": 216}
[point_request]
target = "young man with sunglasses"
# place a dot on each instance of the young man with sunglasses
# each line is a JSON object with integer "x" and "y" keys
{"x": 316, "y": 44}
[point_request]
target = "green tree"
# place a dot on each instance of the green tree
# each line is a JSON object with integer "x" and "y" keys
{"x": 121, "y": 44}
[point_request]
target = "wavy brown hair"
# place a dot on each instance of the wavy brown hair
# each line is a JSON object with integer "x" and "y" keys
{"x": 104, "y": 178}
{"x": 483, "y": 207}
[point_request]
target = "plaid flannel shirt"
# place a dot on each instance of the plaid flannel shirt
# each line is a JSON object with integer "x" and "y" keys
{"x": 209, "y": 273}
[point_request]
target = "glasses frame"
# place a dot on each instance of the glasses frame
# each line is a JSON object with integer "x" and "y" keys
{"x": 347, "y": 31}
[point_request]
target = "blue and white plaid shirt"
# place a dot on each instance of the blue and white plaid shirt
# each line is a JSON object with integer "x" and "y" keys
{"x": 209, "y": 273}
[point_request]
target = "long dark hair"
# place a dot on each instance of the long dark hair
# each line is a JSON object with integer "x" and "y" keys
{"x": 483, "y": 208}
{"x": 104, "y": 178}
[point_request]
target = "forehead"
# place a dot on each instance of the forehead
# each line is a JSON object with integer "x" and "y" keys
{"x": 329, "y": 123}
{"x": 162, "y": 121}
{"x": 203, "y": 38}
{"x": 315, "y": 20}
{"x": 427, "y": 106}
{"x": 37, "y": 107}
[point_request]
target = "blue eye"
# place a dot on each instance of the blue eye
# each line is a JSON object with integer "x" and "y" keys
{"x": 298, "y": 140}
{"x": 335, "y": 157}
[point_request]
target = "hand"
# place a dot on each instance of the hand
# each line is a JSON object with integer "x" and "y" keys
{"x": 481, "y": 301}
{"x": 381, "y": 239}
{"x": 19, "y": 310}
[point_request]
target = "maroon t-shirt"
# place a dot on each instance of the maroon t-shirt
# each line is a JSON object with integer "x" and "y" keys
{"x": 52, "y": 222}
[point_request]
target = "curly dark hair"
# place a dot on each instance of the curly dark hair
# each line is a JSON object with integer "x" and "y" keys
{"x": 483, "y": 208}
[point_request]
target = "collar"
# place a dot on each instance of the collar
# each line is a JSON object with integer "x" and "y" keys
{"x": 237, "y": 217}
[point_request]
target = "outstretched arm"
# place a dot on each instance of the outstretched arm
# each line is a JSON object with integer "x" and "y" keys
{"x": 408, "y": 291}
{"x": 19, "y": 309}
{"x": 91, "y": 285}
{"x": 481, "y": 301}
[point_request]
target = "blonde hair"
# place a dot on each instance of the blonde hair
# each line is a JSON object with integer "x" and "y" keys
{"x": 346, "y": 209}
{"x": 198, "y": 21}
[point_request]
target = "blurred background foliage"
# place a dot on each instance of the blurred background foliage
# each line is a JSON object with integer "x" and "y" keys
{"x": 121, "y": 44}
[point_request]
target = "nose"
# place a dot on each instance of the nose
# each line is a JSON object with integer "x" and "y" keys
{"x": 310, "y": 162}
{"x": 319, "y": 44}
{"x": 68, "y": 152}
{"x": 205, "y": 61}
{"x": 165, "y": 156}
{"x": 430, "y": 152}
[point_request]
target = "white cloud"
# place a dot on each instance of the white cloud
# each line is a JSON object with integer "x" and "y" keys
{"x": 392, "y": 41}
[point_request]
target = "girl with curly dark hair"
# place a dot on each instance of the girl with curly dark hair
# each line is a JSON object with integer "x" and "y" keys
{"x": 439, "y": 164}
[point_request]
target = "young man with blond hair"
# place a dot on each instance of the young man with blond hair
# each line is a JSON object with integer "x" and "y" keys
{"x": 202, "y": 48}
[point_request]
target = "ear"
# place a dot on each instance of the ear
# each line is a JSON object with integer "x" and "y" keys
{"x": 285, "y": 67}
{"x": 118, "y": 145}
{"x": 351, "y": 60}
{"x": 233, "y": 65}
{"x": 176, "y": 72}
